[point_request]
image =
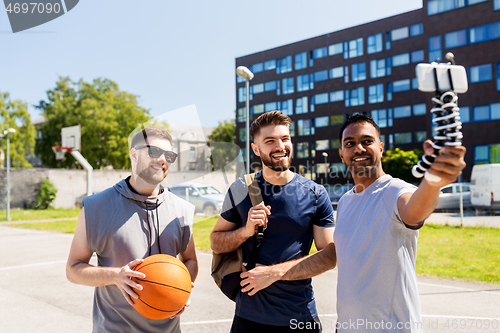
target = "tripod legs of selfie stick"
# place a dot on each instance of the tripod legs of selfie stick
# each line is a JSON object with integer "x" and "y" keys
{"x": 447, "y": 119}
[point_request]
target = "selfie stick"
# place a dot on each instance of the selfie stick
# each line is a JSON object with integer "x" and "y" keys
{"x": 445, "y": 109}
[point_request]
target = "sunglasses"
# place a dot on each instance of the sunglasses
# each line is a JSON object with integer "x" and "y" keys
{"x": 155, "y": 152}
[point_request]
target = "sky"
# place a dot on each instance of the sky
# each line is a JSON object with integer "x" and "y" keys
{"x": 171, "y": 54}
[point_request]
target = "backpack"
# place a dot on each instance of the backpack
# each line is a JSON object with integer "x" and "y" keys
{"x": 227, "y": 267}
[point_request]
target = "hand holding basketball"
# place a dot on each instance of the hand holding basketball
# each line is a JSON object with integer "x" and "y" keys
{"x": 124, "y": 282}
{"x": 165, "y": 289}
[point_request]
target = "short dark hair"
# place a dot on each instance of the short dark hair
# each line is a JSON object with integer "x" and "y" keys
{"x": 266, "y": 119}
{"x": 150, "y": 132}
{"x": 358, "y": 118}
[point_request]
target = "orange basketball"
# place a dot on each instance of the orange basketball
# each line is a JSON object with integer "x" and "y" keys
{"x": 166, "y": 287}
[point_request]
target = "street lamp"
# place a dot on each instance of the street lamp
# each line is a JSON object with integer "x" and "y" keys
{"x": 245, "y": 73}
{"x": 6, "y": 133}
{"x": 325, "y": 155}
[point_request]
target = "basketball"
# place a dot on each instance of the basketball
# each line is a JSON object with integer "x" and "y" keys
{"x": 166, "y": 287}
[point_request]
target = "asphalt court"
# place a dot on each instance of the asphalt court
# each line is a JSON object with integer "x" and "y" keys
{"x": 36, "y": 297}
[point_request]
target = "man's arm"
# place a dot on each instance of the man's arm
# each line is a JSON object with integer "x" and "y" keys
{"x": 325, "y": 259}
{"x": 78, "y": 269}
{"x": 189, "y": 259}
{"x": 226, "y": 238}
{"x": 415, "y": 208}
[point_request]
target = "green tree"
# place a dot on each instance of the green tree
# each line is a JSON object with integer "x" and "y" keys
{"x": 14, "y": 114}
{"x": 107, "y": 116}
{"x": 398, "y": 163}
{"x": 222, "y": 142}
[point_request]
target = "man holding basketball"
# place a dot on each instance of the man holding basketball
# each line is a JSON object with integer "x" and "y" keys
{"x": 375, "y": 237}
{"x": 296, "y": 211}
{"x": 132, "y": 220}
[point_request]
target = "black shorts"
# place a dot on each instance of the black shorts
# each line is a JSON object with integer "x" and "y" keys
{"x": 241, "y": 325}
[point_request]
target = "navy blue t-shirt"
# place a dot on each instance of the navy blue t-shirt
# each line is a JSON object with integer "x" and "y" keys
{"x": 295, "y": 208}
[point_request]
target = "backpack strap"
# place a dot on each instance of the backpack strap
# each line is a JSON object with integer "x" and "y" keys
{"x": 256, "y": 198}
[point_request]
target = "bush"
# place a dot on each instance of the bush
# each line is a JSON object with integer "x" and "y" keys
{"x": 46, "y": 194}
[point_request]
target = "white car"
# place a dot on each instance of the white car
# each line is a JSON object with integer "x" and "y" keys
{"x": 206, "y": 199}
{"x": 449, "y": 198}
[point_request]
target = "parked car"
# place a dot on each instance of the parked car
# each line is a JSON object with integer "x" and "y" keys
{"x": 449, "y": 198}
{"x": 206, "y": 199}
{"x": 337, "y": 191}
{"x": 486, "y": 181}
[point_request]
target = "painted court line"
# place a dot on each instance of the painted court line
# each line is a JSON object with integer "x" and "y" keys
{"x": 33, "y": 265}
{"x": 459, "y": 288}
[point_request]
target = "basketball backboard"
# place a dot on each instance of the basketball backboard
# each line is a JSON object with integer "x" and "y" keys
{"x": 71, "y": 137}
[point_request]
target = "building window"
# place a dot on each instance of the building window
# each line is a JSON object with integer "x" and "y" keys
{"x": 270, "y": 64}
{"x": 388, "y": 40}
{"x": 355, "y": 97}
{"x": 464, "y": 114}
{"x": 419, "y": 109}
{"x": 346, "y": 74}
{"x": 305, "y": 82}
{"x": 335, "y": 143}
{"x": 400, "y": 33}
{"x": 389, "y": 91}
{"x": 435, "y": 48}
{"x": 402, "y": 138}
{"x": 419, "y": 136}
{"x": 284, "y": 65}
{"x": 377, "y": 68}
{"x": 336, "y": 96}
{"x": 335, "y": 49}
{"x": 416, "y": 29}
{"x": 320, "y": 98}
{"x": 455, "y": 38}
{"x": 257, "y": 88}
{"x": 353, "y": 48}
{"x": 480, "y": 73}
{"x": 292, "y": 128}
{"x": 271, "y": 106}
{"x": 473, "y": 2}
{"x": 358, "y": 72}
{"x": 239, "y": 79}
{"x": 481, "y": 113}
{"x": 402, "y": 111}
{"x": 337, "y": 119}
{"x": 272, "y": 85}
{"x": 417, "y": 56}
{"x": 321, "y": 121}
{"x": 498, "y": 73}
{"x": 242, "y": 115}
{"x": 374, "y": 44}
{"x": 401, "y": 85}
{"x": 401, "y": 59}
{"x": 383, "y": 117}
{"x": 317, "y": 54}
{"x": 287, "y": 107}
{"x": 305, "y": 127}
{"x": 243, "y": 136}
{"x": 242, "y": 94}
{"x": 336, "y": 72}
{"x": 484, "y": 32}
{"x": 376, "y": 93}
{"x": 257, "y": 109}
{"x": 481, "y": 154}
{"x": 301, "y": 105}
{"x": 257, "y": 68}
{"x": 300, "y": 61}
{"x": 440, "y": 6}
{"x": 322, "y": 144}
{"x": 321, "y": 76}
{"x": 288, "y": 86}
{"x": 496, "y": 4}
{"x": 302, "y": 149}
{"x": 414, "y": 83}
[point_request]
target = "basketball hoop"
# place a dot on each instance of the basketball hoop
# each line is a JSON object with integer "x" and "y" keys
{"x": 60, "y": 151}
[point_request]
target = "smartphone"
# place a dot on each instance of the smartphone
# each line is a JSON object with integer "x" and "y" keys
{"x": 427, "y": 82}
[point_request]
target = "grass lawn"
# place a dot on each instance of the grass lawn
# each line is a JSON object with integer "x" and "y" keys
{"x": 35, "y": 214}
{"x": 467, "y": 253}
{"x": 463, "y": 253}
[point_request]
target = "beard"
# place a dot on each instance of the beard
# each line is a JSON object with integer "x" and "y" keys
{"x": 152, "y": 176}
{"x": 278, "y": 166}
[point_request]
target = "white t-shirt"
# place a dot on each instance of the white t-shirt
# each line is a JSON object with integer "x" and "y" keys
{"x": 377, "y": 285}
